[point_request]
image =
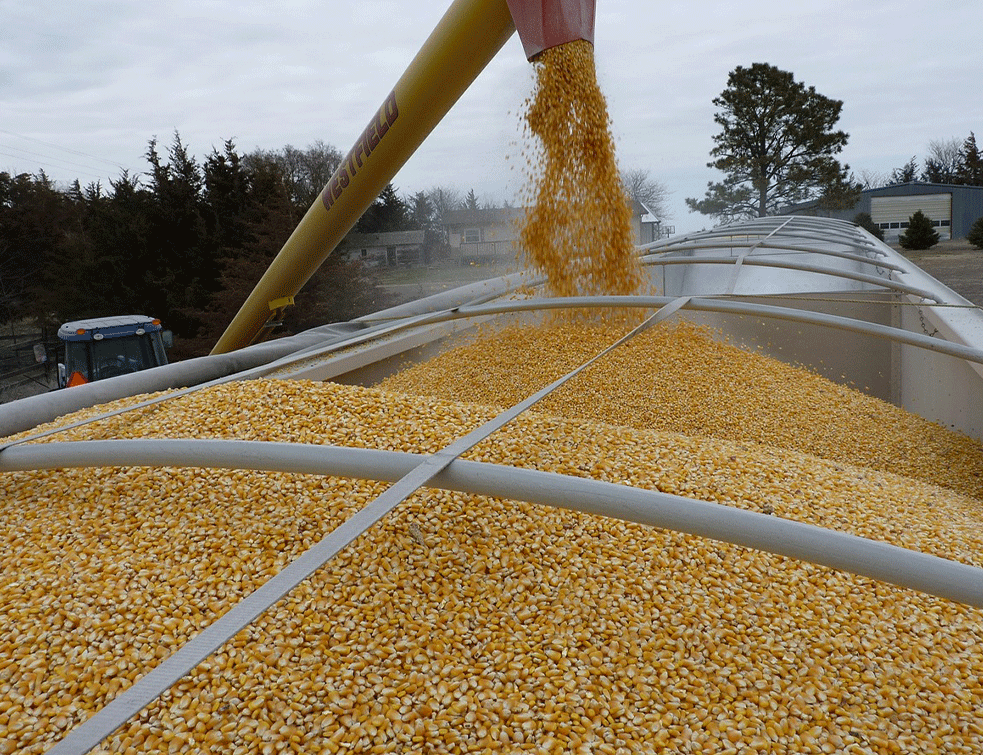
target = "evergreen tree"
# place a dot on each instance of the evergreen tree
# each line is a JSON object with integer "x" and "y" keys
{"x": 420, "y": 212}
{"x": 865, "y": 221}
{"x": 124, "y": 234}
{"x": 269, "y": 218}
{"x": 970, "y": 170}
{"x": 182, "y": 271}
{"x": 905, "y": 174}
{"x": 34, "y": 220}
{"x": 470, "y": 201}
{"x": 975, "y": 235}
{"x": 66, "y": 291}
{"x": 337, "y": 291}
{"x": 919, "y": 234}
{"x": 188, "y": 246}
{"x": 226, "y": 197}
{"x": 424, "y": 216}
{"x": 102, "y": 258}
{"x": 387, "y": 213}
{"x": 776, "y": 146}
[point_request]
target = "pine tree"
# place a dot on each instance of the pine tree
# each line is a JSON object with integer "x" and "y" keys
{"x": 777, "y": 146}
{"x": 386, "y": 214}
{"x": 920, "y": 234}
{"x": 182, "y": 271}
{"x": 975, "y": 235}
{"x": 905, "y": 174}
{"x": 971, "y": 165}
{"x": 864, "y": 220}
{"x": 35, "y": 218}
{"x": 425, "y": 216}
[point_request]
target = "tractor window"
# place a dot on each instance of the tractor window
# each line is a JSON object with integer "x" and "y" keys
{"x": 160, "y": 356}
{"x": 77, "y": 358}
{"x": 119, "y": 356}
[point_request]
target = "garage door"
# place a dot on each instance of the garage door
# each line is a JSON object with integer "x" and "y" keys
{"x": 891, "y": 214}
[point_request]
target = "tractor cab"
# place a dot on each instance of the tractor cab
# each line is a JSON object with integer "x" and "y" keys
{"x": 105, "y": 347}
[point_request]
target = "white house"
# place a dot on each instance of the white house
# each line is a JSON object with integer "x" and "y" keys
{"x": 490, "y": 234}
{"x": 383, "y": 249}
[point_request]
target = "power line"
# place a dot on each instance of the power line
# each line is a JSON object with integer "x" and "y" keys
{"x": 43, "y": 165}
{"x": 86, "y": 168}
{"x": 59, "y": 147}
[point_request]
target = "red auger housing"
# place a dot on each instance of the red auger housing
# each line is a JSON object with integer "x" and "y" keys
{"x": 547, "y": 23}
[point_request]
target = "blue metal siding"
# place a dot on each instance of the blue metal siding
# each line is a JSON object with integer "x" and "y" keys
{"x": 966, "y": 212}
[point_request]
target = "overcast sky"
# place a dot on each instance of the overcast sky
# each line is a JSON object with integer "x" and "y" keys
{"x": 85, "y": 84}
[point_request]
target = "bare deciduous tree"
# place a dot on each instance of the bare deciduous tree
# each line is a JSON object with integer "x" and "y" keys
{"x": 641, "y": 187}
{"x": 306, "y": 171}
{"x": 872, "y": 179}
{"x": 444, "y": 199}
{"x": 943, "y": 161}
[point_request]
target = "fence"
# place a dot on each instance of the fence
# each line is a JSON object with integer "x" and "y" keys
{"x": 28, "y": 361}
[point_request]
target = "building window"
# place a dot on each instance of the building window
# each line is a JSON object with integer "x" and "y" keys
{"x": 365, "y": 253}
{"x": 472, "y": 235}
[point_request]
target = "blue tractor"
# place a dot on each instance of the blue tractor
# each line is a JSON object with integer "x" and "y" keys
{"x": 104, "y": 347}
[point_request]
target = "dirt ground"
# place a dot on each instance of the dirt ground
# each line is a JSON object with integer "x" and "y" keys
{"x": 958, "y": 264}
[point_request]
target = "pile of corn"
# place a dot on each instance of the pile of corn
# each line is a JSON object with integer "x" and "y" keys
{"x": 684, "y": 378}
{"x": 468, "y": 624}
{"x": 578, "y": 227}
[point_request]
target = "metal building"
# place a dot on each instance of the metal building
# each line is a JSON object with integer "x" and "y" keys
{"x": 952, "y": 209}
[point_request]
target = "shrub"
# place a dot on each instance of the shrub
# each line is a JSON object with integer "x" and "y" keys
{"x": 920, "y": 234}
{"x": 864, "y": 220}
{"x": 975, "y": 235}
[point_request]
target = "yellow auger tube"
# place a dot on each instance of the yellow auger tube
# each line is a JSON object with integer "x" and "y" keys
{"x": 464, "y": 41}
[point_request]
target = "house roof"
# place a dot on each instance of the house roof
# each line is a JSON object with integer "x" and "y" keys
{"x": 392, "y": 238}
{"x": 640, "y": 208}
{"x": 482, "y": 216}
{"x": 492, "y": 215}
{"x": 920, "y": 187}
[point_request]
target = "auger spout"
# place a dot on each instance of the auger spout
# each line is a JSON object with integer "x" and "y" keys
{"x": 547, "y": 23}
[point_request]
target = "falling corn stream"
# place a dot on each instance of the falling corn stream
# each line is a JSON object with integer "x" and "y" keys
{"x": 578, "y": 230}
